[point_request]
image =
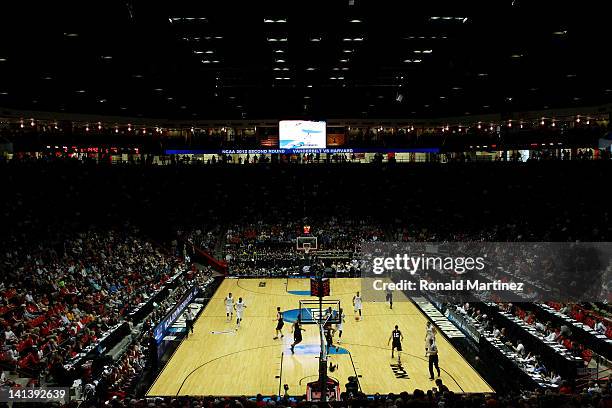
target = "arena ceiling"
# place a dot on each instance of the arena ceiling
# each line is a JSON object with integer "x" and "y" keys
{"x": 316, "y": 59}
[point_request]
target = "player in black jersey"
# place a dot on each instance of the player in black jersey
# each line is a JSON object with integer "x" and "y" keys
{"x": 297, "y": 335}
{"x": 397, "y": 338}
{"x": 279, "y": 324}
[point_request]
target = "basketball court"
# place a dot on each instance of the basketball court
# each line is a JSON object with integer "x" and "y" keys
{"x": 219, "y": 360}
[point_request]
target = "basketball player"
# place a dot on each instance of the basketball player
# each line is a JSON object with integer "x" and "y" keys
{"x": 229, "y": 307}
{"x": 358, "y": 303}
{"x": 340, "y": 325}
{"x": 329, "y": 338}
{"x": 389, "y": 298}
{"x": 279, "y": 324}
{"x": 239, "y": 306}
{"x": 297, "y": 335}
{"x": 430, "y": 333}
{"x": 397, "y": 338}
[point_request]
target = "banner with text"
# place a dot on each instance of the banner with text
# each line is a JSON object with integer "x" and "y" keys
{"x": 488, "y": 271}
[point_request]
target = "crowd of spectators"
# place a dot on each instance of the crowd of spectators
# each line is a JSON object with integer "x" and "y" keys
{"x": 59, "y": 296}
{"x": 596, "y": 396}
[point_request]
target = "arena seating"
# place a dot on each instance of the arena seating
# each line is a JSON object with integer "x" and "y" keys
{"x": 80, "y": 285}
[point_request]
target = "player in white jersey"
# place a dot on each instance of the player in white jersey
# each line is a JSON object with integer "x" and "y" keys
{"x": 358, "y": 303}
{"x": 430, "y": 333}
{"x": 239, "y": 306}
{"x": 229, "y": 307}
{"x": 340, "y": 325}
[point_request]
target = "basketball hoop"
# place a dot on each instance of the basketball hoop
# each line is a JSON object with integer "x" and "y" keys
{"x": 306, "y": 244}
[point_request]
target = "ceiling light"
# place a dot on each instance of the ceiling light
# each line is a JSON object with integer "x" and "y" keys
{"x": 107, "y": 57}
{"x": 310, "y": 69}
{"x": 2, "y": 59}
{"x": 347, "y": 51}
{"x": 280, "y": 60}
{"x": 315, "y": 39}
{"x": 355, "y": 21}
{"x": 215, "y": 61}
{"x": 344, "y": 60}
{"x": 80, "y": 91}
{"x": 158, "y": 89}
{"x": 198, "y": 52}
{"x": 279, "y": 51}
{"x": 308, "y": 86}
{"x": 358, "y": 39}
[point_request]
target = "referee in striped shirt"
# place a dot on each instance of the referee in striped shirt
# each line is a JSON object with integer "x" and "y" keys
{"x": 432, "y": 353}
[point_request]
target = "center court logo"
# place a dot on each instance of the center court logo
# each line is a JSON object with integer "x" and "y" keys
{"x": 412, "y": 264}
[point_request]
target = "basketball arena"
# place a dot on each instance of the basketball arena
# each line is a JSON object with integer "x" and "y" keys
{"x": 338, "y": 204}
